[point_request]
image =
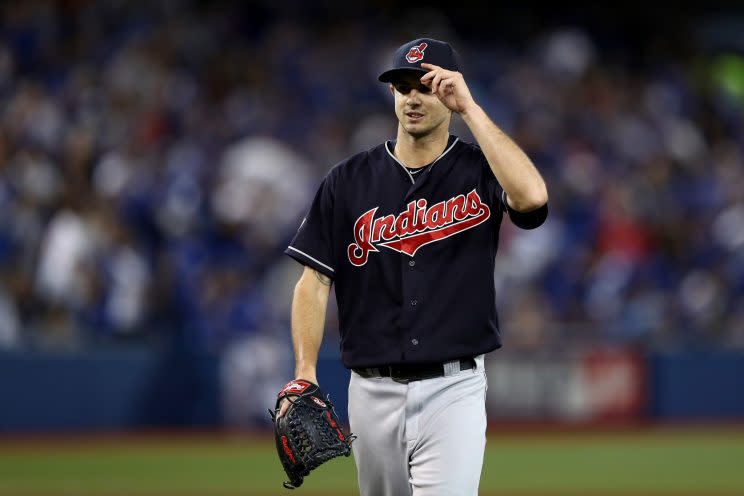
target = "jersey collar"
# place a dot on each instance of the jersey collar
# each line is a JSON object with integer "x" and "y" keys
{"x": 390, "y": 144}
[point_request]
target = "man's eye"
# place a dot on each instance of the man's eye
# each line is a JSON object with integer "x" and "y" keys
{"x": 404, "y": 89}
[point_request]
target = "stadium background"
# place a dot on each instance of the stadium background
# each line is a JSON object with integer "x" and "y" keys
{"x": 155, "y": 159}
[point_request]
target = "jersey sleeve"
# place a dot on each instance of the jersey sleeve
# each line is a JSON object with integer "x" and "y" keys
{"x": 525, "y": 220}
{"x": 313, "y": 242}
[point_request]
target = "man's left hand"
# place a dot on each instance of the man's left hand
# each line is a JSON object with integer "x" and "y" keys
{"x": 449, "y": 87}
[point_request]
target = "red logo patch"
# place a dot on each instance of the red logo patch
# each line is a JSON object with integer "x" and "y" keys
{"x": 295, "y": 387}
{"x": 416, "y": 53}
{"x": 318, "y": 402}
{"x": 419, "y": 225}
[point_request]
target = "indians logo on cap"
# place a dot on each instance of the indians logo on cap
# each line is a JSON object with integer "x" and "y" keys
{"x": 416, "y": 53}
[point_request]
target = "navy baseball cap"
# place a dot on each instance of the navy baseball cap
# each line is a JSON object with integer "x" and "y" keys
{"x": 410, "y": 56}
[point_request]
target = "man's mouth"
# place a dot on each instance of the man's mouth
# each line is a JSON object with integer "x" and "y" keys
{"x": 414, "y": 116}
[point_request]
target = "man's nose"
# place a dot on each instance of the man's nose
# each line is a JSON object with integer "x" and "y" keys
{"x": 414, "y": 94}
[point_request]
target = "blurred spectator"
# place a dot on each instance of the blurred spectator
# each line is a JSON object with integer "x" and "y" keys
{"x": 10, "y": 318}
{"x": 156, "y": 159}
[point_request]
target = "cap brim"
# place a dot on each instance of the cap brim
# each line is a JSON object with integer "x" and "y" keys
{"x": 393, "y": 74}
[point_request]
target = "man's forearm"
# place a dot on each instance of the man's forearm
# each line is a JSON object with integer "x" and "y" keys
{"x": 512, "y": 167}
{"x": 308, "y": 320}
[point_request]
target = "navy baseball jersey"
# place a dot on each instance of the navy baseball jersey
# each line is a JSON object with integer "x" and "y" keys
{"x": 411, "y": 256}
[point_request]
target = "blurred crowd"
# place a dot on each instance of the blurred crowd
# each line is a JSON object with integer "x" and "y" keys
{"x": 156, "y": 158}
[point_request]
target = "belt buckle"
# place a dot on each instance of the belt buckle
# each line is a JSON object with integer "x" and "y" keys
{"x": 401, "y": 380}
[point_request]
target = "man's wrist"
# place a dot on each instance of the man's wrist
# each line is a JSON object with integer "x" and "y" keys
{"x": 306, "y": 373}
{"x": 469, "y": 109}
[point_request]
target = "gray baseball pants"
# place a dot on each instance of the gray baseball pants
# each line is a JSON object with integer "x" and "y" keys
{"x": 421, "y": 438}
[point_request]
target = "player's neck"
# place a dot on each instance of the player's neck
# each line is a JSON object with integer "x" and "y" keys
{"x": 418, "y": 151}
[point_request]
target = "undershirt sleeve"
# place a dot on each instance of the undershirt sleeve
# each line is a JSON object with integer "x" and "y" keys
{"x": 525, "y": 220}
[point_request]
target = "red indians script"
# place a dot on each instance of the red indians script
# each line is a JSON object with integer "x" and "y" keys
{"x": 419, "y": 225}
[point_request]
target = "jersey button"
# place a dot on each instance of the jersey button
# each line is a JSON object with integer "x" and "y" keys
{"x": 411, "y": 263}
{"x": 414, "y": 342}
{"x": 414, "y": 303}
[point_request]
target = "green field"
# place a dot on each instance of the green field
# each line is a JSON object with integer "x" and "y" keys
{"x": 680, "y": 462}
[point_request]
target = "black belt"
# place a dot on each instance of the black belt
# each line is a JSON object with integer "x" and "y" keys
{"x": 417, "y": 371}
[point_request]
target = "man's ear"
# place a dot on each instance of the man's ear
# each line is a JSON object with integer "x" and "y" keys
{"x": 392, "y": 89}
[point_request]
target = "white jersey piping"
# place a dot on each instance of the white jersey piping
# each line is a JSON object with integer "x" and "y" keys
{"x": 311, "y": 258}
{"x": 387, "y": 149}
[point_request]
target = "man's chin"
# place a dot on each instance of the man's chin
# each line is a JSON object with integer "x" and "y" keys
{"x": 418, "y": 131}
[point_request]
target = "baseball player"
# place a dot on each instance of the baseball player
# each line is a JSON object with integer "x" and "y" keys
{"x": 408, "y": 233}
